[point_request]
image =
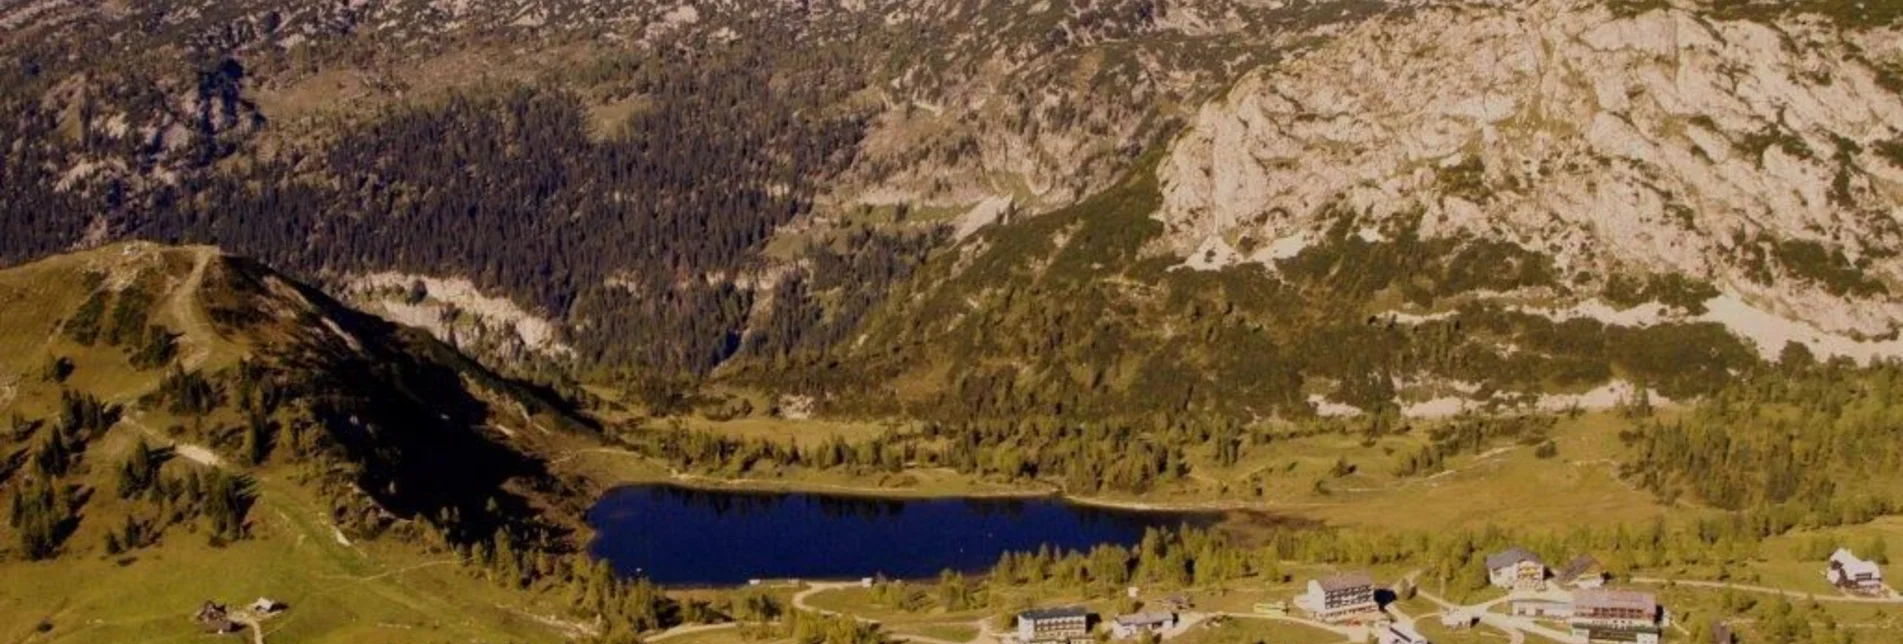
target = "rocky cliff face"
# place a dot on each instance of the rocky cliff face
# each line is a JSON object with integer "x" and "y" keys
{"x": 1040, "y": 104}
{"x": 676, "y": 186}
{"x": 1760, "y": 155}
{"x": 951, "y": 112}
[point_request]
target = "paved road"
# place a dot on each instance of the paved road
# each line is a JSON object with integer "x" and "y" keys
{"x": 1516, "y": 627}
{"x": 689, "y": 629}
{"x": 813, "y": 588}
{"x": 1354, "y": 633}
{"x": 252, "y": 624}
{"x": 1892, "y": 598}
{"x": 1513, "y": 636}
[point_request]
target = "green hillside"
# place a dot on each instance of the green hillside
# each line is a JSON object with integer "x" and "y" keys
{"x": 975, "y": 334}
{"x": 181, "y": 426}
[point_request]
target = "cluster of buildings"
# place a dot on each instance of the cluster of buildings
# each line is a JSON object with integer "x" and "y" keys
{"x": 1349, "y": 598}
{"x": 1074, "y": 624}
{"x": 1599, "y": 614}
{"x": 216, "y": 619}
{"x": 1519, "y": 569}
{"x": 1594, "y": 613}
{"x": 1591, "y": 611}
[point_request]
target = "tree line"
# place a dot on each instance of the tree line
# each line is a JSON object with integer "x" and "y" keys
{"x": 1823, "y": 437}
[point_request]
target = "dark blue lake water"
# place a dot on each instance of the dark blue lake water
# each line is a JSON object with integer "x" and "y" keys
{"x": 684, "y": 536}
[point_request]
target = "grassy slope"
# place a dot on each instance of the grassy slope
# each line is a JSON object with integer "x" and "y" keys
{"x": 367, "y": 592}
{"x": 1145, "y": 337}
{"x": 1245, "y": 631}
{"x": 337, "y": 593}
{"x": 1506, "y": 485}
{"x": 1578, "y": 487}
{"x": 386, "y": 592}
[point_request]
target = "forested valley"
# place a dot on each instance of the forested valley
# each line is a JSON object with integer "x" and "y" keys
{"x": 642, "y": 230}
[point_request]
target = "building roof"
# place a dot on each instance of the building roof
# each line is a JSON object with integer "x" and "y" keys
{"x": 1510, "y": 557}
{"x": 1346, "y": 580}
{"x": 1598, "y": 631}
{"x": 1054, "y": 613}
{"x": 1539, "y": 602}
{"x": 1607, "y": 598}
{"x": 209, "y": 611}
{"x": 1578, "y": 566}
{"x": 1146, "y": 619}
{"x": 1853, "y": 566}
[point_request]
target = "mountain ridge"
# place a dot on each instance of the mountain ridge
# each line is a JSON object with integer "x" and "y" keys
{"x": 257, "y": 363}
{"x": 1607, "y": 143}
{"x": 662, "y": 196}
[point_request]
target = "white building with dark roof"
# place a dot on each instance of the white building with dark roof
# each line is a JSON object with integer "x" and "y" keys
{"x": 1853, "y": 575}
{"x": 1134, "y": 624}
{"x": 1516, "y": 568}
{"x": 1347, "y": 597}
{"x": 1066, "y": 625}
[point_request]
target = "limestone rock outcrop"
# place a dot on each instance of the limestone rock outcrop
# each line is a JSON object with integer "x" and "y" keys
{"x": 1670, "y": 141}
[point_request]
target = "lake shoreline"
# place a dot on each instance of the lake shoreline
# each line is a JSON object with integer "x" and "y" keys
{"x": 873, "y": 492}
{"x": 722, "y": 534}
{"x": 658, "y": 473}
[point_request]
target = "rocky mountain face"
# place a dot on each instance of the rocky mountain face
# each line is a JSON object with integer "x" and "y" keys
{"x": 1030, "y": 101}
{"x": 651, "y": 180}
{"x": 1760, "y": 156}
{"x": 866, "y": 201}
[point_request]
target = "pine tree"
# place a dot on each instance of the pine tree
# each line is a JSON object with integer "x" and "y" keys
{"x": 953, "y": 593}
{"x": 16, "y": 508}
{"x": 41, "y": 511}
{"x": 51, "y": 457}
{"x": 257, "y": 443}
{"x": 133, "y": 534}
{"x": 138, "y": 471}
{"x": 508, "y": 563}
{"x": 225, "y": 505}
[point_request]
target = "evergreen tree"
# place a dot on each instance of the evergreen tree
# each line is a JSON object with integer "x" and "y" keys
{"x": 138, "y": 472}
